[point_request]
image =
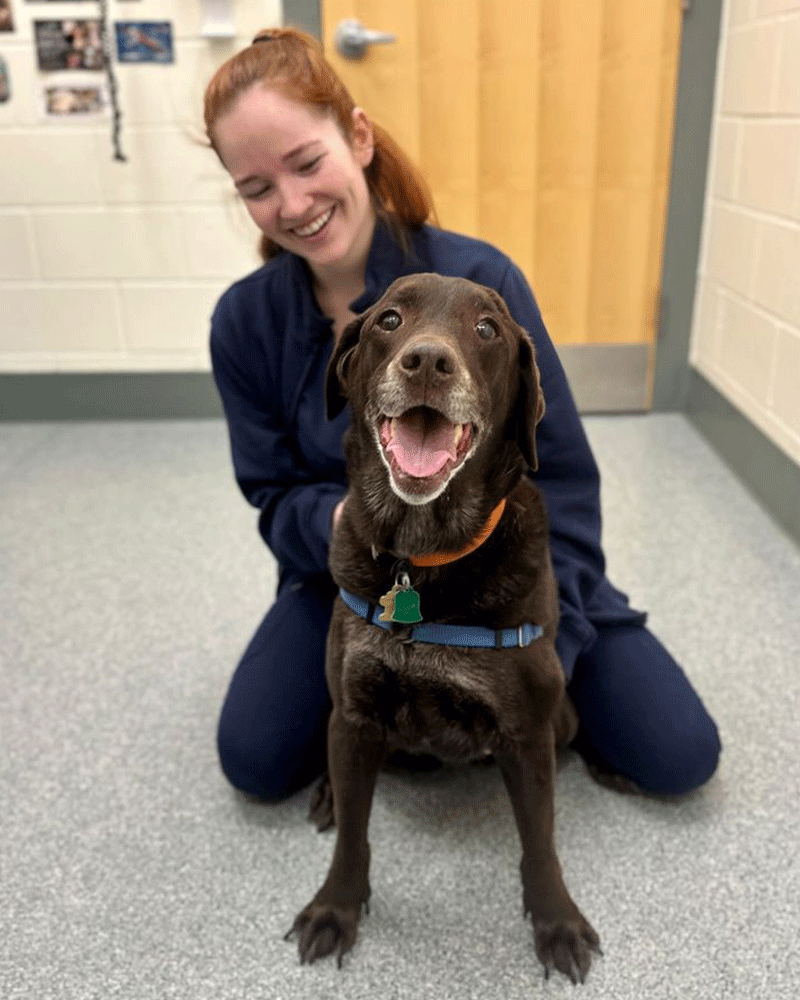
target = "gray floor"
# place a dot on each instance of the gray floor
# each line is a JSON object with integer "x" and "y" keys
{"x": 131, "y": 577}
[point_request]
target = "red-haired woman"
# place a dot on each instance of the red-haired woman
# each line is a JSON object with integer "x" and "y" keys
{"x": 344, "y": 213}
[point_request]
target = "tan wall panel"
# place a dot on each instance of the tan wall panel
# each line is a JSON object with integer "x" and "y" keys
{"x": 621, "y": 306}
{"x": 508, "y": 127}
{"x": 449, "y": 75}
{"x": 545, "y": 128}
{"x": 568, "y": 137}
{"x": 564, "y": 262}
{"x": 569, "y": 95}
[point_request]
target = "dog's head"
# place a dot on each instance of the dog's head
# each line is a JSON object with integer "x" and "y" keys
{"x": 437, "y": 373}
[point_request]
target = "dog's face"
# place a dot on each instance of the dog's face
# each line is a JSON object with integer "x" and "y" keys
{"x": 436, "y": 373}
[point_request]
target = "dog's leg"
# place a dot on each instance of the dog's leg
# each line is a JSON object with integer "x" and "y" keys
{"x": 330, "y": 920}
{"x": 320, "y": 808}
{"x": 563, "y": 937}
{"x": 565, "y": 725}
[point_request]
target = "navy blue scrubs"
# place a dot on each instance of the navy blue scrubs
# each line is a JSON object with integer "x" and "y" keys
{"x": 270, "y": 345}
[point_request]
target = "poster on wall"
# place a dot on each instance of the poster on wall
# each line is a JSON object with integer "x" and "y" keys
{"x": 6, "y": 17}
{"x": 69, "y": 44}
{"x": 5, "y": 82}
{"x": 68, "y": 96}
{"x": 144, "y": 41}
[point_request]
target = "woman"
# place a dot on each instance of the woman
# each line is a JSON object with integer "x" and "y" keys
{"x": 343, "y": 213}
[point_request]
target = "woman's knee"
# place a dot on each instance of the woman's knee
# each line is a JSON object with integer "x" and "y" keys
{"x": 685, "y": 760}
{"x": 642, "y": 715}
{"x": 270, "y": 767}
{"x": 271, "y": 731}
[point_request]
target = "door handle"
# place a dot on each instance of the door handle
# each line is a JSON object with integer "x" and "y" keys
{"x": 352, "y": 38}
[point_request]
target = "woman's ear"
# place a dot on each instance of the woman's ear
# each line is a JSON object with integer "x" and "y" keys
{"x": 363, "y": 138}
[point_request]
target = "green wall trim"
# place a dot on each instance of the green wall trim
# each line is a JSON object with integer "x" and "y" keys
{"x": 686, "y": 200}
{"x": 763, "y": 468}
{"x": 108, "y": 396}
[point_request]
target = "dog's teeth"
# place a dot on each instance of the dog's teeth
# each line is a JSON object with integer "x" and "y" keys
{"x": 457, "y": 434}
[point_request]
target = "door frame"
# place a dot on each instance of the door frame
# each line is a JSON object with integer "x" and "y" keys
{"x": 690, "y": 161}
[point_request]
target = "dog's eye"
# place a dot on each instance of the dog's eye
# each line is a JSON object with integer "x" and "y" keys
{"x": 389, "y": 320}
{"x": 487, "y": 329}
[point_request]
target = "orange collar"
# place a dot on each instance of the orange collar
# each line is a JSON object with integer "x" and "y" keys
{"x": 442, "y": 558}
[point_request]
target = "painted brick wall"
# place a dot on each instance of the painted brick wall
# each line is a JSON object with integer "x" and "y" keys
{"x": 746, "y": 329}
{"x": 108, "y": 266}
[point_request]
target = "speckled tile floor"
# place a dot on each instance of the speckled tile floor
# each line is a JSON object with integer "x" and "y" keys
{"x": 131, "y": 578}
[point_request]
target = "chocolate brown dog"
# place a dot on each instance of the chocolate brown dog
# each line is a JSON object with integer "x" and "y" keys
{"x": 442, "y": 636}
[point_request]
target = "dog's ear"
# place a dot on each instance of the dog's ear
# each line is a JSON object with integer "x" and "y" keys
{"x": 336, "y": 377}
{"x": 530, "y": 401}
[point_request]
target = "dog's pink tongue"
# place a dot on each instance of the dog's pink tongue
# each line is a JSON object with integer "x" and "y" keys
{"x": 422, "y": 443}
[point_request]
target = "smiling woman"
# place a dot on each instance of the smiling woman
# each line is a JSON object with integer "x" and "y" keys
{"x": 301, "y": 179}
{"x": 289, "y": 63}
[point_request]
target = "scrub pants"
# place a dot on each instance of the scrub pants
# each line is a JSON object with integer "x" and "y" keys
{"x": 637, "y": 709}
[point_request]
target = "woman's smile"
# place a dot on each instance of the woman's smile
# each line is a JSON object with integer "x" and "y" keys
{"x": 315, "y": 226}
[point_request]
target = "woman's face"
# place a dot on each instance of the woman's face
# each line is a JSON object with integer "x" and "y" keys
{"x": 303, "y": 183}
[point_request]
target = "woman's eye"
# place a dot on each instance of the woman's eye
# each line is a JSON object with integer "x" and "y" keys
{"x": 487, "y": 329}
{"x": 255, "y": 193}
{"x": 389, "y": 320}
{"x": 307, "y": 168}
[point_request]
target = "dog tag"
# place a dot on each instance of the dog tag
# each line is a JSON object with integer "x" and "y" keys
{"x": 387, "y": 602}
{"x": 401, "y": 603}
{"x": 406, "y": 607}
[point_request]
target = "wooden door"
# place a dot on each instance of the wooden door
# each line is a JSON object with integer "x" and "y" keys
{"x": 544, "y": 127}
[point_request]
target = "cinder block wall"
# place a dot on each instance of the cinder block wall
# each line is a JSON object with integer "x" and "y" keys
{"x": 108, "y": 266}
{"x": 746, "y": 329}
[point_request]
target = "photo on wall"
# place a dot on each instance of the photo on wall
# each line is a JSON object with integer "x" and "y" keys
{"x": 144, "y": 41}
{"x": 69, "y": 44}
{"x": 70, "y": 97}
{"x": 5, "y": 82}
{"x": 6, "y": 16}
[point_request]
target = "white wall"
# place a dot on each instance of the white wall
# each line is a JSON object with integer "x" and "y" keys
{"x": 746, "y": 330}
{"x": 108, "y": 266}
{"x": 111, "y": 267}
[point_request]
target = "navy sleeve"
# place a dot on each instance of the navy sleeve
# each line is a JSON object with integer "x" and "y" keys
{"x": 296, "y": 508}
{"x": 568, "y": 478}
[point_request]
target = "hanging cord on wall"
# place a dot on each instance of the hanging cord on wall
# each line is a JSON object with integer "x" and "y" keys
{"x": 108, "y": 62}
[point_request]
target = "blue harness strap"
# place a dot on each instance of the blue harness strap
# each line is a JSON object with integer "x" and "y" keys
{"x": 474, "y": 636}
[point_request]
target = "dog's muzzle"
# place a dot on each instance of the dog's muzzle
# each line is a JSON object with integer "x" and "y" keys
{"x": 426, "y": 425}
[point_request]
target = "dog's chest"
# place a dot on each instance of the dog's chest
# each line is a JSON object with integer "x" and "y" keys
{"x": 426, "y": 698}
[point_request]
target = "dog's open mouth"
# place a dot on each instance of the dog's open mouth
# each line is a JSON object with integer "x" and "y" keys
{"x": 422, "y": 444}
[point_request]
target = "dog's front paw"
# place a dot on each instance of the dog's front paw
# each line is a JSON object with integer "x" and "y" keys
{"x": 566, "y": 945}
{"x": 323, "y": 929}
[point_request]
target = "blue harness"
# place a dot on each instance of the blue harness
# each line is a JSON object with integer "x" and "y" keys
{"x": 474, "y": 636}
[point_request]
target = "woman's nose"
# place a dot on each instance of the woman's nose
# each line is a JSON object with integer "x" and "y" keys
{"x": 294, "y": 198}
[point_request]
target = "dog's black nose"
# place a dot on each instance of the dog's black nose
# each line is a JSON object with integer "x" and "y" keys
{"x": 429, "y": 359}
